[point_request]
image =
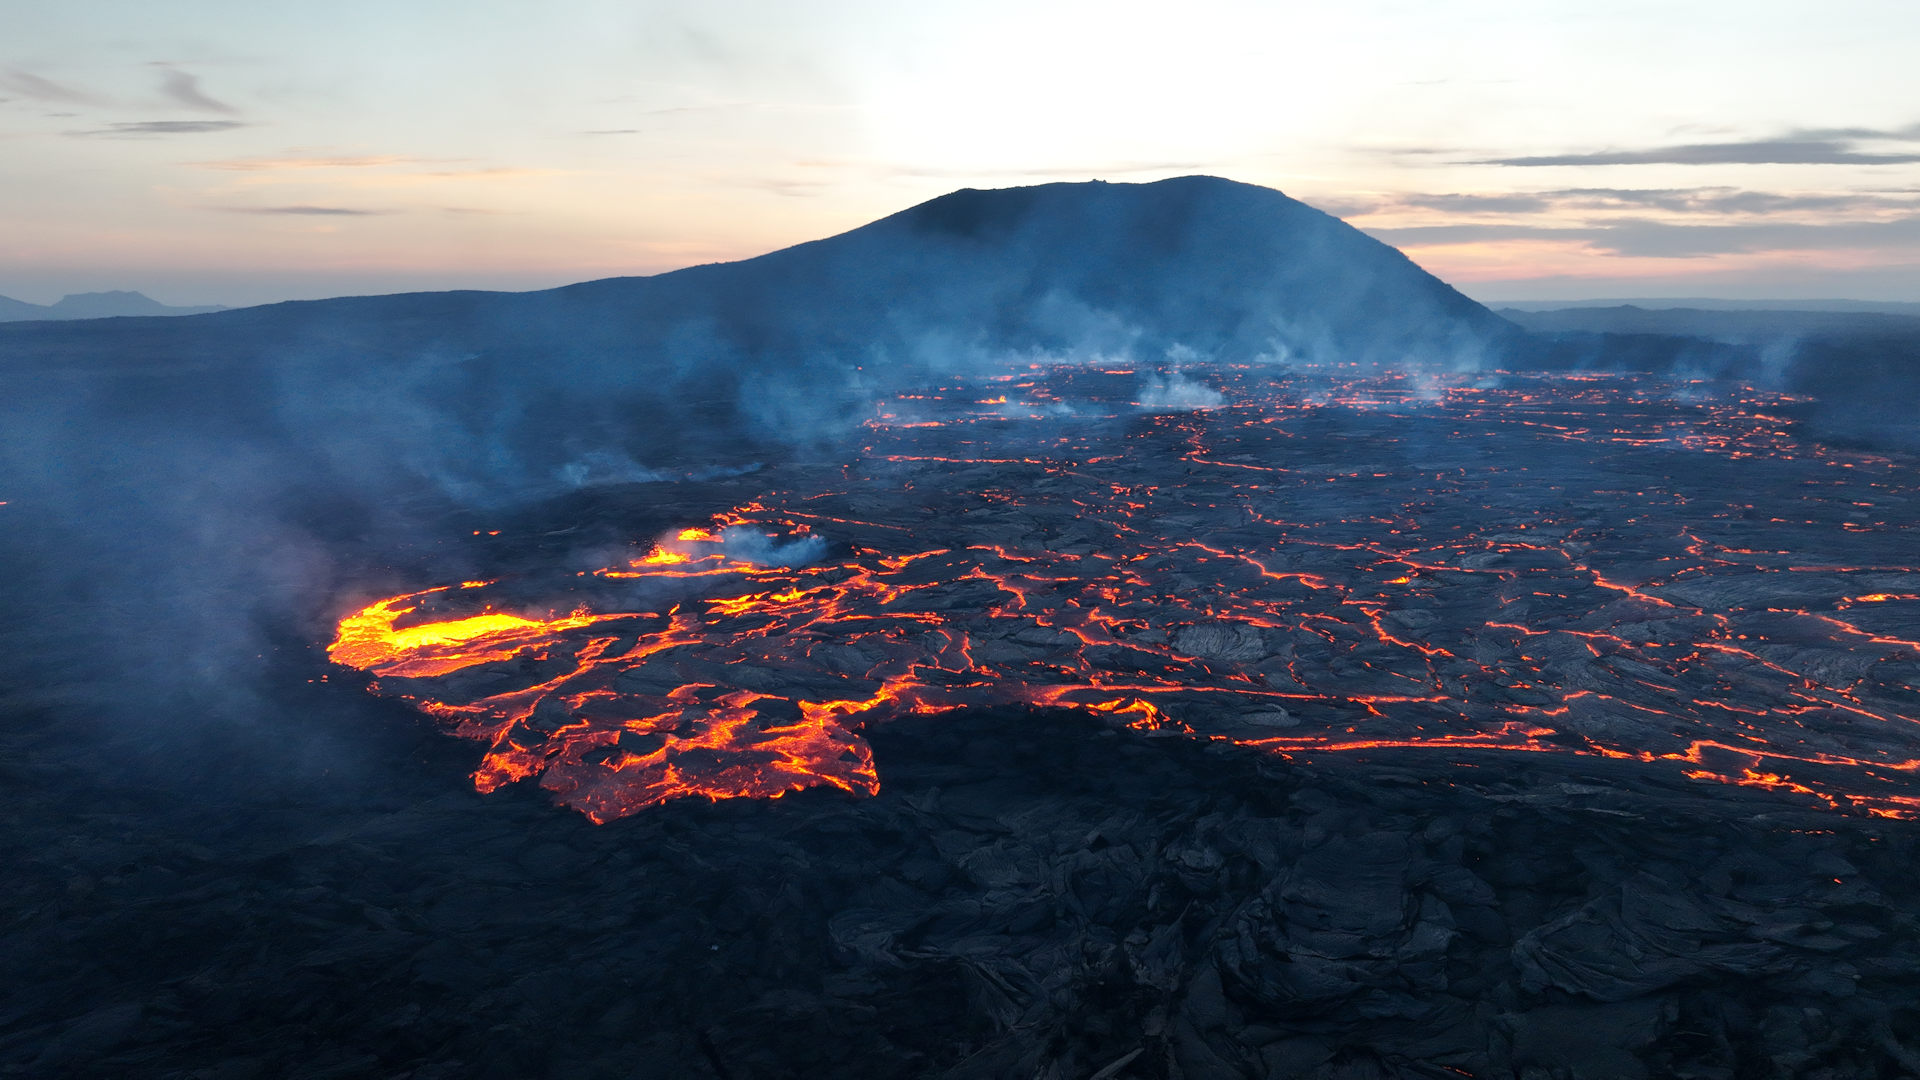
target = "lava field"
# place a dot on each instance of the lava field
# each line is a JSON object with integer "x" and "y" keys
{"x": 1125, "y": 722}
{"x": 1301, "y": 563}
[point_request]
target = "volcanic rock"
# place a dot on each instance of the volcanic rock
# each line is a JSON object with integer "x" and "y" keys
{"x": 1221, "y": 641}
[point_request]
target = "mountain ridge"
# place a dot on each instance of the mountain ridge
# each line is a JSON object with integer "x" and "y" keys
{"x": 98, "y": 305}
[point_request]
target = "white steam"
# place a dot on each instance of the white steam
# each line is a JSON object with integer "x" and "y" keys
{"x": 738, "y": 543}
{"x": 1177, "y": 393}
{"x": 598, "y": 468}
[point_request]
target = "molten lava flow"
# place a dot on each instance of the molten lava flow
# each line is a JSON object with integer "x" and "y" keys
{"x": 1327, "y": 563}
{"x": 368, "y": 639}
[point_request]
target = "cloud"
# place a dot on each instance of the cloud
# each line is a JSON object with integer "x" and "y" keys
{"x": 1827, "y": 146}
{"x": 159, "y": 127}
{"x": 1668, "y": 240}
{"x": 1665, "y": 240}
{"x": 316, "y": 211}
{"x": 1724, "y": 200}
{"x": 1765, "y": 152}
{"x": 184, "y": 89}
{"x": 27, "y": 84}
{"x": 1491, "y": 204}
{"x": 1477, "y": 232}
{"x": 1721, "y": 201}
{"x": 1909, "y": 133}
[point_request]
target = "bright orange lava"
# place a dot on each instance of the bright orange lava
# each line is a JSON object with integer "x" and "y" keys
{"x": 1324, "y": 564}
{"x": 369, "y": 640}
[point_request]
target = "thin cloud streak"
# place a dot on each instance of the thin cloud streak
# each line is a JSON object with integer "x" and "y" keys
{"x": 142, "y": 128}
{"x": 314, "y": 211}
{"x": 1909, "y": 133}
{"x": 184, "y": 89}
{"x": 1754, "y": 153}
{"x": 1667, "y": 240}
{"x": 1481, "y": 204}
{"x": 1725, "y": 200}
{"x": 1826, "y": 146}
{"x": 1716, "y": 201}
{"x": 27, "y": 84}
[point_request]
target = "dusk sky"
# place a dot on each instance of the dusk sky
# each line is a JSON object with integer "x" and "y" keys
{"x": 216, "y": 152}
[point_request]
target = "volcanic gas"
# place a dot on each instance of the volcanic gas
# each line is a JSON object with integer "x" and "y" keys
{"x": 1321, "y": 560}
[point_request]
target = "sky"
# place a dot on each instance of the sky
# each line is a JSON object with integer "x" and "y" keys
{"x": 204, "y": 151}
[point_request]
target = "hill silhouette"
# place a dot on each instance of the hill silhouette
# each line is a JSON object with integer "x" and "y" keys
{"x": 95, "y": 305}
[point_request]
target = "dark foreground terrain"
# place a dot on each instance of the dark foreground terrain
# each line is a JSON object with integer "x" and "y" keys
{"x": 1029, "y": 895}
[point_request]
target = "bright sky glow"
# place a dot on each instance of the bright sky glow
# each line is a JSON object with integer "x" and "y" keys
{"x": 227, "y": 152}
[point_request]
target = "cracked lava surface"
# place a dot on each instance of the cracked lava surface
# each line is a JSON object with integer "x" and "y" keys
{"x": 1313, "y": 562}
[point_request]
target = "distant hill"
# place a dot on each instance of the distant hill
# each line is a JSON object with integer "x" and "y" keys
{"x": 11, "y": 309}
{"x": 1705, "y": 303}
{"x": 95, "y": 305}
{"x": 1720, "y": 324}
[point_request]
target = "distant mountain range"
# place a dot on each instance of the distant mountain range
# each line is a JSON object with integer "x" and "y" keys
{"x": 94, "y": 305}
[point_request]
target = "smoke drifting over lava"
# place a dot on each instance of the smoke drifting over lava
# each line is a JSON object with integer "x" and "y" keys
{"x": 218, "y": 490}
{"x": 1492, "y": 568}
{"x": 233, "y": 477}
{"x": 156, "y": 464}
